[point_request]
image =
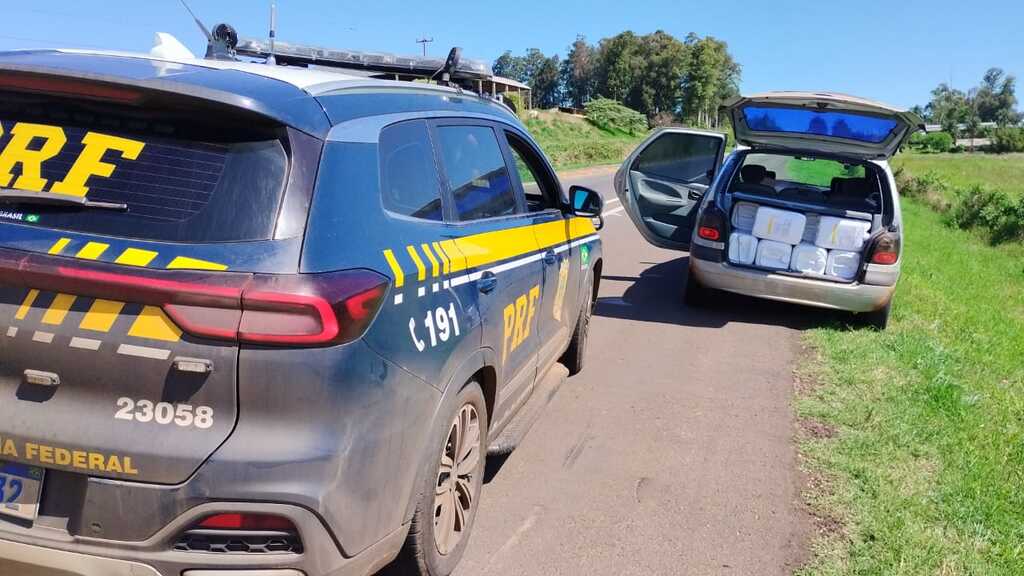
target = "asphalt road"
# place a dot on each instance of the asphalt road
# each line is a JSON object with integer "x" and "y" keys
{"x": 672, "y": 453}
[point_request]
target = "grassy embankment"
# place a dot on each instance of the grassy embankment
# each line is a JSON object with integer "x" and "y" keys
{"x": 1000, "y": 171}
{"x": 914, "y": 437}
{"x": 572, "y": 142}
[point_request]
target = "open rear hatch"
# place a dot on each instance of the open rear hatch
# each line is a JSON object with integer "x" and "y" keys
{"x": 131, "y": 234}
{"x": 823, "y": 122}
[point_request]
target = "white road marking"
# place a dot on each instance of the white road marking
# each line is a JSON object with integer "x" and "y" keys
{"x": 615, "y": 211}
{"x": 43, "y": 337}
{"x": 12, "y": 331}
{"x": 143, "y": 352}
{"x": 85, "y": 343}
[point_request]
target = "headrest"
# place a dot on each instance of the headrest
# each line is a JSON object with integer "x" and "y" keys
{"x": 753, "y": 173}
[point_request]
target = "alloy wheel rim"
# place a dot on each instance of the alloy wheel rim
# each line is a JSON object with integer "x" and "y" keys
{"x": 457, "y": 474}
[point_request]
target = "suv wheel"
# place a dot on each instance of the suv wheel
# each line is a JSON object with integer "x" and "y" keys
{"x": 574, "y": 355}
{"x": 448, "y": 502}
{"x": 695, "y": 295}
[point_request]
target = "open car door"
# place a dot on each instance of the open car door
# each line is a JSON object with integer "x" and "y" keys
{"x": 662, "y": 182}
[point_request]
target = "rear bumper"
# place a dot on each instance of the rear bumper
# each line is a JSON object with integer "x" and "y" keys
{"x": 760, "y": 284}
{"x": 28, "y": 554}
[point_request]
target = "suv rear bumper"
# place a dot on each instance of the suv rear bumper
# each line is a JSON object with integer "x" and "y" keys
{"x": 820, "y": 293}
{"x": 26, "y": 552}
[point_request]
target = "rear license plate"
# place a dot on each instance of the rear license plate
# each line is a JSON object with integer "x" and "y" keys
{"x": 20, "y": 487}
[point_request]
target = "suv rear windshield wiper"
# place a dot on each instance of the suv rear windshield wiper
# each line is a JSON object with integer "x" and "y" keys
{"x": 10, "y": 195}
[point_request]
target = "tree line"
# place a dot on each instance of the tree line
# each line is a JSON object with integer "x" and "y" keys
{"x": 664, "y": 78}
{"x": 993, "y": 100}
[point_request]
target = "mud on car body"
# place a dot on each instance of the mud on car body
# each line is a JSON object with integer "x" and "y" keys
{"x": 263, "y": 318}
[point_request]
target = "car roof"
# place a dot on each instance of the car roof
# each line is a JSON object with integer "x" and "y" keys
{"x": 287, "y": 94}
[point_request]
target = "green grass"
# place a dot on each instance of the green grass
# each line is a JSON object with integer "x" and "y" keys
{"x": 819, "y": 172}
{"x": 572, "y": 142}
{"x": 926, "y": 470}
{"x": 1000, "y": 171}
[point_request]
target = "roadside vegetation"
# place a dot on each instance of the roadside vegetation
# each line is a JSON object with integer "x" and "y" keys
{"x": 571, "y": 141}
{"x": 916, "y": 442}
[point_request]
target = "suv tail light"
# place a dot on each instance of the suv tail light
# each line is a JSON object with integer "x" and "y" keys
{"x": 712, "y": 224}
{"x": 240, "y": 521}
{"x": 284, "y": 310}
{"x": 885, "y": 249}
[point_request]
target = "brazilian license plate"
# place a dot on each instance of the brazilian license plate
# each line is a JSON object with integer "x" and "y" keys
{"x": 20, "y": 486}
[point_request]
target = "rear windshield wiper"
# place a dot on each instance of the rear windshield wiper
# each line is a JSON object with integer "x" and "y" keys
{"x": 10, "y": 195}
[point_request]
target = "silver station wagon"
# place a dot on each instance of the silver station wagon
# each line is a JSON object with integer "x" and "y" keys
{"x": 804, "y": 210}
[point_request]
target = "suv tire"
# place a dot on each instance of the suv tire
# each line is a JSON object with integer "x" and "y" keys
{"x": 695, "y": 295}
{"x": 442, "y": 523}
{"x": 575, "y": 354}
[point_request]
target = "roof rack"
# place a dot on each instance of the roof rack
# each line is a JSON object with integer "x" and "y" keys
{"x": 379, "y": 62}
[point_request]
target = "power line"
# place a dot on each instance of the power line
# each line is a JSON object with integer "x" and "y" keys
{"x": 424, "y": 41}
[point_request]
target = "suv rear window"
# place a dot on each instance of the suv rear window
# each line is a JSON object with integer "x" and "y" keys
{"x": 177, "y": 188}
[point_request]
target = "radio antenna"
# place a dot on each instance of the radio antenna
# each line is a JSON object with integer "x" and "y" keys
{"x": 273, "y": 32}
{"x": 206, "y": 32}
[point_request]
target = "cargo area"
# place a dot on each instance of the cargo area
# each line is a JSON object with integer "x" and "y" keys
{"x": 793, "y": 223}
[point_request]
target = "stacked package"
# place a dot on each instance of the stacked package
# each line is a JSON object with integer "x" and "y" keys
{"x": 811, "y": 244}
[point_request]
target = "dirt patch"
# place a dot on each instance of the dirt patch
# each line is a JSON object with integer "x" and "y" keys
{"x": 816, "y": 429}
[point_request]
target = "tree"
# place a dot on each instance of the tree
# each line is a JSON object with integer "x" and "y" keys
{"x": 578, "y": 72}
{"x": 510, "y": 66}
{"x": 949, "y": 107}
{"x": 660, "y": 82}
{"x": 619, "y": 65}
{"x": 996, "y": 98}
{"x": 712, "y": 76}
{"x": 546, "y": 82}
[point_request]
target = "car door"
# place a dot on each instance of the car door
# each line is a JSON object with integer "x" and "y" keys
{"x": 492, "y": 231}
{"x": 552, "y": 227}
{"x": 663, "y": 181}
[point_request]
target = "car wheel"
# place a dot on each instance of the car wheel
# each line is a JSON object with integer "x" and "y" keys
{"x": 695, "y": 295}
{"x": 575, "y": 354}
{"x": 448, "y": 502}
{"x": 877, "y": 319}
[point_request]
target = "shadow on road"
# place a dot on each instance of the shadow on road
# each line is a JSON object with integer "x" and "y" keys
{"x": 657, "y": 296}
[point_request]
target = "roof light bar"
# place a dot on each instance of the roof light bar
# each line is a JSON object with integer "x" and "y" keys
{"x": 382, "y": 62}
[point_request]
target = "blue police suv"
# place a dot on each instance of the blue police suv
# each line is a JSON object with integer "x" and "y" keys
{"x": 263, "y": 319}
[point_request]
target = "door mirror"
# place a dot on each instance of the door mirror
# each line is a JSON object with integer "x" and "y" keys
{"x": 586, "y": 202}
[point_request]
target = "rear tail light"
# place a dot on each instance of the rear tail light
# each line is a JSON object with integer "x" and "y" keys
{"x": 285, "y": 310}
{"x": 245, "y": 521}
{"x": 712, "y": 224}
{"x": 886, "y": 249}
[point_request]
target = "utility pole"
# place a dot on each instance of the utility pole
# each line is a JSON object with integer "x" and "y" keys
{"x": 424, "y": 41}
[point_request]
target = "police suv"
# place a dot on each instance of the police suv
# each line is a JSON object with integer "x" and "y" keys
{"x": 267, "y": 318}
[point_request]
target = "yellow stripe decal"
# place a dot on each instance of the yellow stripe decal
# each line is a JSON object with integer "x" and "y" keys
{"x": 135, "y": 257}
{"x": 58, "y": 309}
{"x": 483, "y": 249}
{"x": 152, "y": 323}
{"x": 455, "y": 258}
{"x": 445, "y": 264}
{"x": 180, "y": 262}
{"x": 434, "y": 266}
{"x": 101, "y": 315}
{"x": 92, "y": 250}
{"x": 59, "y": 245}
{"x": 421, "y": 270}
{"x": 395, "y": 268}
{"x": 26, "y": 304}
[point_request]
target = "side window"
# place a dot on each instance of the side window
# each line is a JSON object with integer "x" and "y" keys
{"x": 680, "y": 157}
{"x": 480, "y": 184}
{"x": 541, "y": 193}
{"x": 409, "y": 182}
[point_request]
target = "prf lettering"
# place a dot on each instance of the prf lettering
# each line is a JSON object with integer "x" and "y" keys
{"x": 80, "y": 459}
{"x": 518, "y": 318}
{"x": 32, "y": 144}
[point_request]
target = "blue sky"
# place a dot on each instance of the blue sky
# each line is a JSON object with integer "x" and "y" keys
{"x": 895, "y": 51}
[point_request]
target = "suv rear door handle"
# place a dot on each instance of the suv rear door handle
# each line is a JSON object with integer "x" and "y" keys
{"x": 550, "y": 257}
{"x": 488, "y": 282}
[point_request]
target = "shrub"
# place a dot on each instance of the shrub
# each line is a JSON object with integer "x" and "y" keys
{"x": 994, "y": 210}
{"x": 515, "y": 102}
{"x": 610, "y": 116}
{"x": 1007, "y": 139}
{"x": 932, "y": 142}
{"x": 929, "y": 188}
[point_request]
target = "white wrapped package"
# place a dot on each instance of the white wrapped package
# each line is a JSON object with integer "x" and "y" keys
{"x": 809, "y": 259}
{"x": 742, "y": 248}
{"x": 774, "y": 255}
{"x": 843, "y": 264}
{"x": 842, "y": 233}
{"x": 779, "y": 225}
{"x": 811, "y": 228}
{"x": 743, "y": 215}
